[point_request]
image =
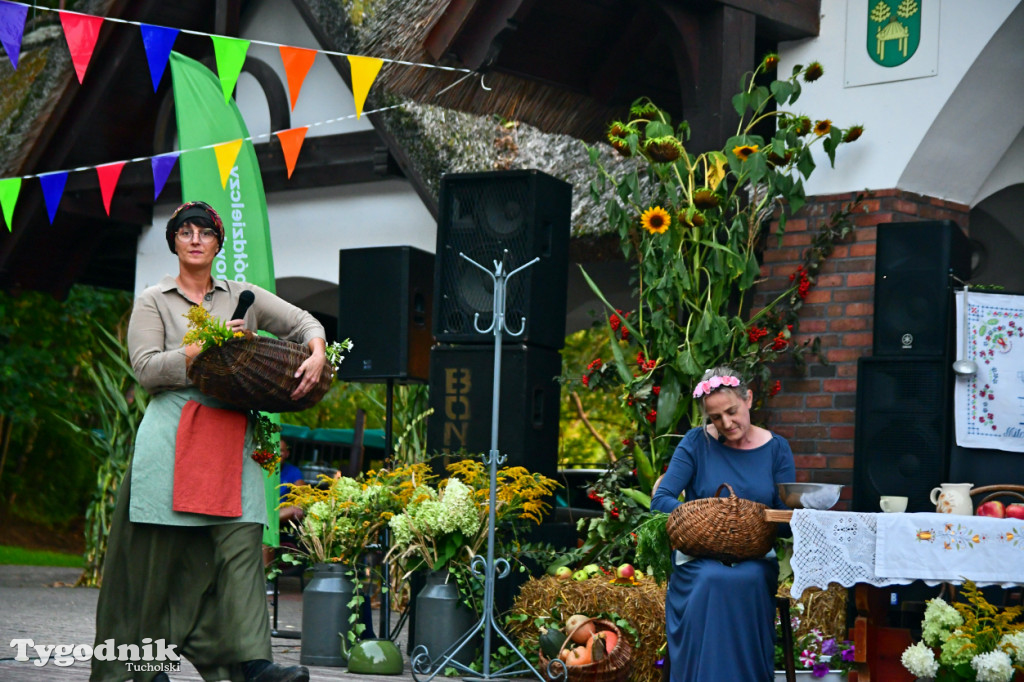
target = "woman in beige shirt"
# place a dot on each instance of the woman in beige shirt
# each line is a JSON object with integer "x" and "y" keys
{"x": 194, "y": 581}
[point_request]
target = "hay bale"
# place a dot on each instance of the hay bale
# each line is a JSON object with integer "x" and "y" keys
{"x": 822, "y": 609}
{"x": 642, "y": 604}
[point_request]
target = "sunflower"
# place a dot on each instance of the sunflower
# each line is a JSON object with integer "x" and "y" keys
{"x": 771, "y": 60}
{"x": 822, "y": 127}
{"x": 705, "y": 198}
{"x": 655, "y": 220}
{"x": 853, "y": 133}
{"x": 744, "y": 151}
{"x": 814, "y": 71}
{"x": 802, "y": 125}
{"x": 665, "y": 149}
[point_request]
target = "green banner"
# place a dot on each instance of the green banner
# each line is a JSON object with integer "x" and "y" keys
{"x": 204, "y": 118}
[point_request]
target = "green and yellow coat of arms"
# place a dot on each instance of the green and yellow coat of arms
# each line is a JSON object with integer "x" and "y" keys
{"x": 894, "y": 31}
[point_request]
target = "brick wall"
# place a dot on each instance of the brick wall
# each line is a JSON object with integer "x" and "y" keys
{"x": 815, "y": 409}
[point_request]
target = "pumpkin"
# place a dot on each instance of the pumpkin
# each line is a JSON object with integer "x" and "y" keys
{"x": 551, "y": 640}
{"x": 579, "y": 656}
{"x": 581, "y": 628}
{"x": 610, "y": 639}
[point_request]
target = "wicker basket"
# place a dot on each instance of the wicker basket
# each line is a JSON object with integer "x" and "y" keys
{"x": 725, "y": 528}
{"x": 615, "y": 668}
{"x": 256, "y": 373}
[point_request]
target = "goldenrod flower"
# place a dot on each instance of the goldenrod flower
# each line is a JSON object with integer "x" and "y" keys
{"x": 744, "y": 151}
{"x": 655, "y": 220}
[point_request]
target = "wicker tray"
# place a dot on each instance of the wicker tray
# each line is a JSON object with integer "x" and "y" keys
{"x": 615, "y": 668}
{"x": 256, "y": 373}
{"x": 725, "y": 528}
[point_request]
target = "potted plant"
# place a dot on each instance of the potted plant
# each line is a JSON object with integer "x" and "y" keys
{"x": 443, "y": 528}
{"x": 815, "y": 656}
{"x": 968, "y": 641}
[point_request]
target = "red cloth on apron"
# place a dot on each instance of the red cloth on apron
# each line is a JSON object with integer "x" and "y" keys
{"x": 208, "y": 458}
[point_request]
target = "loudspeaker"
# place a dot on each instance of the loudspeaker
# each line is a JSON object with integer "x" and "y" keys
{"x": 461, "y": 391}
{"x": 484, "y": 215}
{"x": 385, "y": 299}
{"x": 913, "y": 291}
{"x": 903, "y": 431}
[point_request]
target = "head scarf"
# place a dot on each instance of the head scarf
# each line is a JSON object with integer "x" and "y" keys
{"x": 195, "y": 211}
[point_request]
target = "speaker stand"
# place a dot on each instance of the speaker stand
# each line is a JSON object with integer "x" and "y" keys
{"x": 490, "y": 568}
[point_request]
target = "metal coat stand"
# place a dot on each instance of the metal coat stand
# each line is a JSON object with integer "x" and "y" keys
{"x": 490, "y": 568}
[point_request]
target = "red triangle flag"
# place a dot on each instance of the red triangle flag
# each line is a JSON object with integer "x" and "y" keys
{"x": 291, "y": 143}
{"x": 297, "y": 61}
{"x": 81, "y": 32}
{"x": 108, "y": 175}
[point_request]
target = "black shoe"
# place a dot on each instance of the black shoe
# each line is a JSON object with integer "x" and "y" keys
{"x": 279, "y": 673}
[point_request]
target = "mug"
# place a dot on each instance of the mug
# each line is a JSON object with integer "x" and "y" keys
{"x": 953, "y": 498}
{"x": 893, "y": 503}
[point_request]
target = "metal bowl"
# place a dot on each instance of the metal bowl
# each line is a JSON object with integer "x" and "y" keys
{"x": 809, "y": 495}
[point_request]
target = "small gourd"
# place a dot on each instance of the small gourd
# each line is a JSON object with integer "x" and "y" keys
{"x": 551, "y": 640}
{"x": 581, "y": 628}
{"x": 579, "y": 656}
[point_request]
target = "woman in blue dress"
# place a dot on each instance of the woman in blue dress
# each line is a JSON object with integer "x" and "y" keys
{"x": 720, "y": 618}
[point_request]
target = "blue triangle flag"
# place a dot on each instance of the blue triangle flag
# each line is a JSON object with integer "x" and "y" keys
{"x": 162, "y": 166}
{"x": 158, "y": 41}
{"x": 53, "y": 190}
{"x": 12, "y": 27}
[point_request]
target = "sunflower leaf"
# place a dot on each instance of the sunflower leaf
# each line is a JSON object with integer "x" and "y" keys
{"x": 781, "y": 90}
{"x": 740, "y": 101}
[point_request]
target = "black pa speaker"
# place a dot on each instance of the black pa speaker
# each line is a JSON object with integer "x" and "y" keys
{"x": 903, "y": 431}
{"x": 510, "y": 217}
{"x": 461, "y": 391}
{"x": 913, "y": 291}
{"x": 384, "y": 305}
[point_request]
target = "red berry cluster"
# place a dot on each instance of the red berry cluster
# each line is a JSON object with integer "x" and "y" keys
{"x": 779, "y": 342}
{"x": 267, "y": 459}
{"x": 645, "y": 364}
{"x": 615, "y": 322}
{"x": 755, "y": 334}
{"x": 804, "y": 284}
{"x": 775, "y": 388}
{"x": 594, "y": 365}
{"x": 652, "y": 416}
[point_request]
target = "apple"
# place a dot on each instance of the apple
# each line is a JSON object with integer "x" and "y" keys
{"x": 625, "y": 572}
{"x": 1015, "y": 511}
{"x": 563, "y": 572}
{"x": 580, "y": 575}
{"x": 993, "y": 508}
{"x": 592, "y": 569}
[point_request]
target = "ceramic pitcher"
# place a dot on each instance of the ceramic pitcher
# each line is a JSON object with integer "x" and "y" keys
{"x": 953, "y": 498}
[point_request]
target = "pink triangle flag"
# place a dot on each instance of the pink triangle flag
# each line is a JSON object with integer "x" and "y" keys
{"x": 108, "y": 175}
{"x": 81, "y": 32}
{"x": 291, "y": 143}
{"x": 297, "y": 62}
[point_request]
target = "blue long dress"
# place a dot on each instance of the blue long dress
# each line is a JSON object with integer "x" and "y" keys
{"x": 719, "y": 619}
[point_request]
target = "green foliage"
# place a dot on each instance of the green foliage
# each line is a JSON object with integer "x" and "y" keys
{"x": 20, "y": 556}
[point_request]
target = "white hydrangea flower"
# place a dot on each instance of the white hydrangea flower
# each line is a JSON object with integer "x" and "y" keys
{"x": 995, "y": 666}
{"x": 939, "y": 620}
{"x": 920, "y": 660}
{"x": 1015, "y": 641}
{"x": 399, "y": 525}
{"x": 458, "y": 510}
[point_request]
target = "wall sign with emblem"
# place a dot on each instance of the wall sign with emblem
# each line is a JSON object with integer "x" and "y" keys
{"x": 891, "y": 40}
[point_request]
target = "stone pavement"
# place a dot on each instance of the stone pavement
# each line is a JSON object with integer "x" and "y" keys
{"x": 38, "y": 603}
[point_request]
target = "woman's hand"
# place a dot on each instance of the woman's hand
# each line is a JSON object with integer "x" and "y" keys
{"x": 311, "y": 369}
{"x": 235, "y": 325}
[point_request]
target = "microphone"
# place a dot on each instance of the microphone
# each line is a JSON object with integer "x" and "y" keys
{"x": 245, "y": 300}
{"x": 721, "y": 439}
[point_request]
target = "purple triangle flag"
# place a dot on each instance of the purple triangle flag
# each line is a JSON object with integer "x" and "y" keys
{"x": 158, "y": 41}
{"x": 12, "y": 27}
{"x": 162, "y": 166}
{"x": 53, "y": 190}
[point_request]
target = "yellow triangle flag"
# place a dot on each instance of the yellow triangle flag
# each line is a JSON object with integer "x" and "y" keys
{"x": 364, "y": 71}
{"x": 226, "y": 155}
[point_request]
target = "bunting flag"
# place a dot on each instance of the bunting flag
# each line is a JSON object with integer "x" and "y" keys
{"x": 108, "y": 175}
{"x": 291, "y": 143}
{"x": 12, "y": 27}
{"x": 364, "y": 72}
{"x": 162, "y": 166}
{"x": 53, "y": 190}
{"x": 9, "y": 191}
{"x": 205, "y": 118}
{"x": 297, "y": 62}
{"x": 230, "y": 53}
{"x": 158, "y": 42}
{"x": 81, "y": 32}
{"x": 226, "y": 154}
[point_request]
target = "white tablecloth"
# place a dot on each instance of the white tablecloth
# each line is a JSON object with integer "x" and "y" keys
{"x": 895, "y": 549}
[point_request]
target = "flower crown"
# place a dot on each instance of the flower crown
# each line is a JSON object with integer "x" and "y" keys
{"x": 706, "y": 387}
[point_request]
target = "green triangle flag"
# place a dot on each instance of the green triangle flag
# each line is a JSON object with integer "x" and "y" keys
{"x": 206, "y": 119}
{"x": 10, "y": 188}
{"x": 230, "y": 54}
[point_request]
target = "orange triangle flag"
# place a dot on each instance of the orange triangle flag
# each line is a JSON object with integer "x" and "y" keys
{"x": 108, "y": 175}
{"x": 364, "y": 71}
{"x": 226, "y": 155}
{"x": 291, "y": 143}
{"x": 81, "y": 32}
{"x": 297, "y": 61}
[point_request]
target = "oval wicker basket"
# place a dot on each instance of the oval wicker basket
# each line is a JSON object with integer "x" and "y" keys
{"x": 256, "y": 373}
{"x": 724, "y": 528}
{"x": 615, "y": 668}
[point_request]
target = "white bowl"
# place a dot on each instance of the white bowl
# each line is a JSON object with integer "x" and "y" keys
{"x": 809, "y": 495}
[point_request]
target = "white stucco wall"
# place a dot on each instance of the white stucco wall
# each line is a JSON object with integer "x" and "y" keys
{"x": 898, "y": 115}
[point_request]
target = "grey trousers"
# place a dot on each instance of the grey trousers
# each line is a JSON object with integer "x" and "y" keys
{"x": 199, "y": 588}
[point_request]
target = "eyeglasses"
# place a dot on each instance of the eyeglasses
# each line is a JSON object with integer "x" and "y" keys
{"x": 206, "y": 234}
